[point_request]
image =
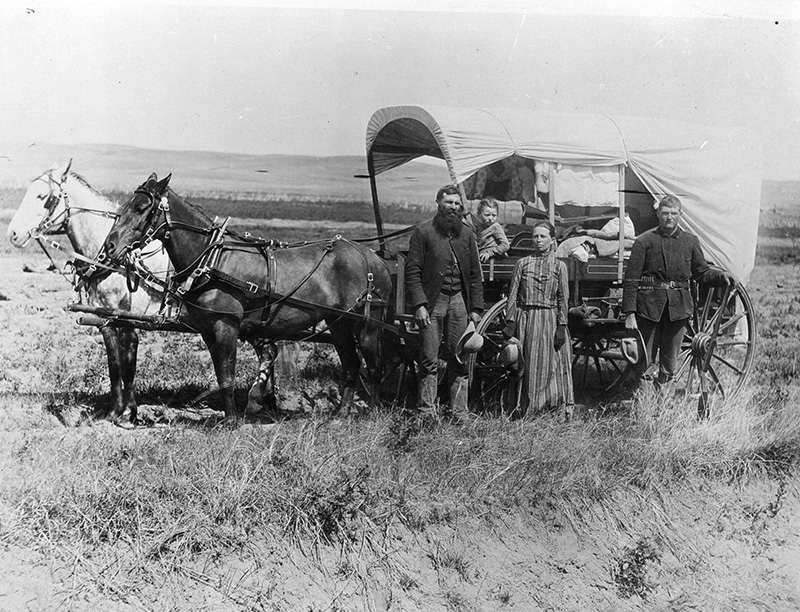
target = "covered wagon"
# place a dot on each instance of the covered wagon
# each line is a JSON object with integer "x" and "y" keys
{"x": 582, "y": 171}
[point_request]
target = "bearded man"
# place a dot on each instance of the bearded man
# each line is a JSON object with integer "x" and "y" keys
{"x": 445, "y": 290}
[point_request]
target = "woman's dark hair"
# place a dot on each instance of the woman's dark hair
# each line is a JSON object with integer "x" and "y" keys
{"x": 545, "y": 224}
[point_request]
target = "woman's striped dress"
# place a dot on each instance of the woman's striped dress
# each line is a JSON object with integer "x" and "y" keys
{"x": 537, "y": 302}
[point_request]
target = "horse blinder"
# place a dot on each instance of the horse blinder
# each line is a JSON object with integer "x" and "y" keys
{"x": 56, "y": 195}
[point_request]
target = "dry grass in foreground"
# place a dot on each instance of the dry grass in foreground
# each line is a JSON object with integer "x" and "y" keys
{"x": 162, "y": 500}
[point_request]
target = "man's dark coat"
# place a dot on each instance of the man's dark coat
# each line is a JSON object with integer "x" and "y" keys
{"x": 429, "y": 256}
{"x": 662, "y": 257}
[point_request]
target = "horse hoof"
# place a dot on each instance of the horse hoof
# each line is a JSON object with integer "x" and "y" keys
{"x": 253, "y": 408}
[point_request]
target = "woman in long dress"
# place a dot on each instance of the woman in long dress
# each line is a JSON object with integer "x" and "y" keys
{"x": 537, "y": 315}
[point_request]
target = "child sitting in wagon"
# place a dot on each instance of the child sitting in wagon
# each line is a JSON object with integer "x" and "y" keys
{"x": 492, "y": 239}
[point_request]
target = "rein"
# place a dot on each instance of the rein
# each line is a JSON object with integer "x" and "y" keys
{"x": 72, "y": 254}
{"x": 61, "y": 270}
{"x": 387, "y": 237}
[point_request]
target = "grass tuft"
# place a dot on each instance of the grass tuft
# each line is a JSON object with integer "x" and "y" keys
{"x": 630, "y": 571}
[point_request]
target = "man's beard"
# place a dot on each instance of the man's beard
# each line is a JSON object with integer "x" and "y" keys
{"x": 448, "y": 223}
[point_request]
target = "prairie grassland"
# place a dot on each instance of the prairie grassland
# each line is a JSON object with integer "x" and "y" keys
{"x": 182, "y": 499}
{"x": 631, "y": 506}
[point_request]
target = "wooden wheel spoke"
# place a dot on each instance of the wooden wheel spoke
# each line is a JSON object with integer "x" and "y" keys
{"x": 616, "y": 366}
{"x": 732, "y": 321}
{"x": 684, "y": 357}
{"x": 585, "y": 368}
{"x": 732, "y": 343}
{"x": 492, "y": 342}
{"x": 706, "y": 309}
{"x": 599, "y": 372}
{"x": 715, "y": 378}
{"x": 713, "y": 325}
{"x": 701, "y": 377}
{"x": 497, "y": 383}
{"x": 724, "y": 361}
{"x": 690, "y": 377}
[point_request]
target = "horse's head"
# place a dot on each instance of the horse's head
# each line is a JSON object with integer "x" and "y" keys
{"x": 44, "y": 208}
{"x": 142, "y": 219}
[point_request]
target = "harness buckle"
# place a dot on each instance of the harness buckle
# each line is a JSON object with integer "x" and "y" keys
{"x": 252, "y": 287}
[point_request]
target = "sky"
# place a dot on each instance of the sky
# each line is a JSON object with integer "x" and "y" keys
{"x": 304, "y": 77}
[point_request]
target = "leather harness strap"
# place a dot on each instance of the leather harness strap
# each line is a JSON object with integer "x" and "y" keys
{"x": 206, "y": 269}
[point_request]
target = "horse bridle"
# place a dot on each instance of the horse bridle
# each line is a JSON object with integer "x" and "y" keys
{"x": 58, "y": 194}
{"x": 150, "y": 228}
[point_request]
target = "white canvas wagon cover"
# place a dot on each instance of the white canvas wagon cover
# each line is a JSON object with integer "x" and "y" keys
{"x": 715, "y": 171}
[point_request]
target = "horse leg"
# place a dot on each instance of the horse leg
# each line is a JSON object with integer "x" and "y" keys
{"x": 263, "y": 388}
{"x": 221, "y": 343}
{"x": 343, "y": 336}
{"x": 129, "y": 348}
{"x": 112, "y": 342}
{"x": 370, "y": 341}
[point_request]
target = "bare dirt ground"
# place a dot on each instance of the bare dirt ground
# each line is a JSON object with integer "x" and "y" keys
{"x": 718, "y": 550}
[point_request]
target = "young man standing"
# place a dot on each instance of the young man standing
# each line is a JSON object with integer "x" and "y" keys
{"x": 656, "y": 298}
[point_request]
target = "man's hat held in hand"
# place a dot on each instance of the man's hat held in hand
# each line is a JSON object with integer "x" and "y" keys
{"x": 469, "y": 342}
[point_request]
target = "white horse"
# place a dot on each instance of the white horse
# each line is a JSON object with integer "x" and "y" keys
{"x": 62, "y": 202}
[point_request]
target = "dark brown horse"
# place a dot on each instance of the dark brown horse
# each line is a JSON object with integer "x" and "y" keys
{"x": 235, "y": 287}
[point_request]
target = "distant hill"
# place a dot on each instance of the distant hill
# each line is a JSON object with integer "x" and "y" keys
{"x": 121, "y": 168}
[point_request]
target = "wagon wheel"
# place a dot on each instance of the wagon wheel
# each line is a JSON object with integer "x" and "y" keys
{"x": 719, "y": 345}
{"x": 493, "y": 387}
{"x": 599, "y": 363}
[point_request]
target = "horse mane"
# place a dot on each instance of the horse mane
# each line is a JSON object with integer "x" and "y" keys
{"x": 86, "y": 184}
{"x": 190, "y": 205}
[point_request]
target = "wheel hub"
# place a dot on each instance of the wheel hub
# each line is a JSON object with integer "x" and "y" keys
{"x": 703, "y": 345}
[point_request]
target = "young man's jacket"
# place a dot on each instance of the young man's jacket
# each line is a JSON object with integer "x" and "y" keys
{"x": 428, "y": 257}
{"x": 658, "y": 258}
